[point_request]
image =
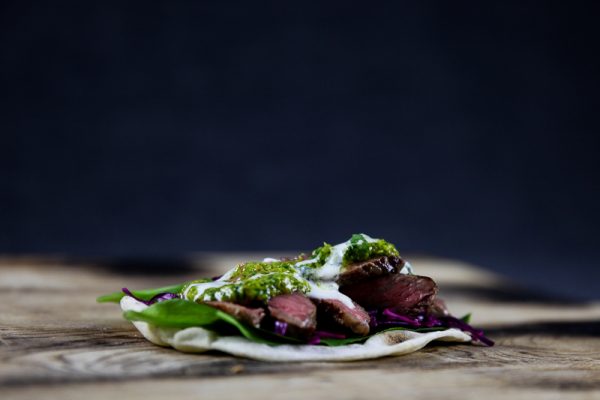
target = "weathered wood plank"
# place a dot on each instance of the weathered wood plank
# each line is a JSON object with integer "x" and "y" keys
{"x": 119, "y": 355}
{"x": 536, "y": 382}
{"x": 56, "y": 342}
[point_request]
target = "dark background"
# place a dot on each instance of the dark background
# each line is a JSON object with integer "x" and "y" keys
{"x": 459, "y": 130}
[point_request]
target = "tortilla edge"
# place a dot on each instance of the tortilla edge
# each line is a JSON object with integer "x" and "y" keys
{"x": 197, "y": 340}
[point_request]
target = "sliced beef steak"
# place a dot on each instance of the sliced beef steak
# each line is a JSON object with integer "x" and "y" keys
{"x": 297, "y": 311}
{"x": 373, "y": 268}
{"x": 404, "y": 294}
{"x": 251, "y": 316}
{"x": 356, "y": 319}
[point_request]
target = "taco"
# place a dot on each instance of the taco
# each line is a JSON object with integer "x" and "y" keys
{"x": 355, "y": 300}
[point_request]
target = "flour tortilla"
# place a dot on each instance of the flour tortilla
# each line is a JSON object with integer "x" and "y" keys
{"x": 198, "y": 340}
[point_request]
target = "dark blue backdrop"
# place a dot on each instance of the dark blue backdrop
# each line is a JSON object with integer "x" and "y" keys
{"x": 468, "y": 131}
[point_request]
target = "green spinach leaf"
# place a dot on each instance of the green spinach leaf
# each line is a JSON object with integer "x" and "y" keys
{"x": 145, "y": 294}
{"x": 175, "y": 313}
{"x": 178, "y": 313}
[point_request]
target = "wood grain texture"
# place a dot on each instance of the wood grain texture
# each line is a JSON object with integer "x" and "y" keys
{"x": 56, "y": 342}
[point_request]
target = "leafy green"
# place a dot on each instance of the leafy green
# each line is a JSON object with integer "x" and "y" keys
{"x": 248, "y": 332}
{"x": 175, "y": 313}
{"x": 466, "y": 318}
{"x": 178, "y": 313}
{"x": 145, "y": 294}
{"x": 341, "y": 342}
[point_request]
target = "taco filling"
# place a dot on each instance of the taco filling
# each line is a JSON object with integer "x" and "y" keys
{"x": 337, "y": 295}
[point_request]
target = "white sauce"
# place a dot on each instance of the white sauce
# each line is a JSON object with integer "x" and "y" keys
{"x": 331, "y": 269}
{"x": 368, "y": 238}
{"x": 307, "y": 262}
{"x": 328, "y": 290}
{"x": 406, "y": 269}
{"x": 202, "y": 287}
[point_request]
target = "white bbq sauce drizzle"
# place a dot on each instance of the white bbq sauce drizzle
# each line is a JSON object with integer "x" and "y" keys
{"x": 324, "y": 288}
{"x": 202, "y": 287}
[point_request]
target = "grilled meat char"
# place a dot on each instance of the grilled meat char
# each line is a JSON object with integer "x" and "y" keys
{"x": 251, "y": 316}
{"x": 375, "y": 267}
{"x": 378, "y": 284}
{"x": 297, "y": 311}
{"x": 356, "y": 319}
{"x": 404, "y": 294}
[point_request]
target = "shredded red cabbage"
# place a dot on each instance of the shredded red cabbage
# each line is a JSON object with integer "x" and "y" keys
{"x": 280, "y": 328}
{"x": 155, "y": 299}
{"x": 392, "y": 316}
{"x": 476, "y": 334}
{"x": 388, "y": 319}
{"x": 330, "y": 335}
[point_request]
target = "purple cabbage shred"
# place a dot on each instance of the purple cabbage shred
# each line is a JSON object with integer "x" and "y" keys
{"x": 314, "y": 340}
{"x": 155, "y": 299}
{"x": 389, "y": 319}
{"x": 476, "y": 334}
{"x": 330, "y": 335}
{"x": 280, "y": 328}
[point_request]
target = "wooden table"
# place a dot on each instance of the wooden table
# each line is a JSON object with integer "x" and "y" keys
{"x": 56, "y": 342}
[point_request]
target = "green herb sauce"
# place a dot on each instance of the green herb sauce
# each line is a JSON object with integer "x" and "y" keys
{"x": 260, "y": 287}
{"x": 361, "y": 249}
{"x": 262, "y": 280}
